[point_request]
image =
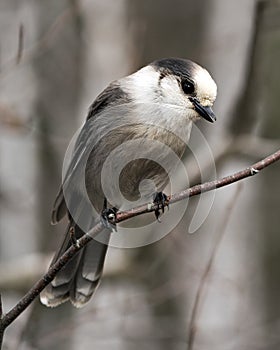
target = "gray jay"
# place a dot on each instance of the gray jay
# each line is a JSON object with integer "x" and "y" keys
{"x": 132, "y": 122}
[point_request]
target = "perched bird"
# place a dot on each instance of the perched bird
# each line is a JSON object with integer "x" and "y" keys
{"x": 154, "y": 106}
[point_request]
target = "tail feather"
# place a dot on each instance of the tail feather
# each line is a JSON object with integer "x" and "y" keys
{"x": 80, "y": 277}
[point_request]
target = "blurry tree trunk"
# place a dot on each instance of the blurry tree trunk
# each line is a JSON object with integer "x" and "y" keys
{"x": 254, "y": 111}
{"x": 247, "y": 112}
{"x": 58, "y": 68}
{"x": 165, "y": 29}
{"x": 268, "y": 89}
{"x": 258, "y": 113}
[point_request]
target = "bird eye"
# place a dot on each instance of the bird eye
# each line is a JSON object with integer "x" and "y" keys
{"x": 187, "y": 87}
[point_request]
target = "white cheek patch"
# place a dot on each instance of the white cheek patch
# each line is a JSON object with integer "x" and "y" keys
{"x": 171, "y": 91}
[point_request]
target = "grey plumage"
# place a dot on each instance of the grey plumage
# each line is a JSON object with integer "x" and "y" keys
{"x": 150, "y": 107}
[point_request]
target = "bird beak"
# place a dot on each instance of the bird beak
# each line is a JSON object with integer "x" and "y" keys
{"x": 205, "y": 112}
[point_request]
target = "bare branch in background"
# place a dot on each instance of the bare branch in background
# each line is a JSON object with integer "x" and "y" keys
{"x": 41, "y": 45}
{"x": 204, "y": 278}
{"x": 20, "y": 43}
{"x": 8, "y": 318}
{"x": 253, "y": 145}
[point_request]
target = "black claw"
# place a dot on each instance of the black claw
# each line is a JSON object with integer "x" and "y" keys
{"x": 160, "y": 201}
{"x": 108, "y": 216}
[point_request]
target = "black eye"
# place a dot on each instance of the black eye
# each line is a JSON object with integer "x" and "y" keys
{"x": 187, "y": 87}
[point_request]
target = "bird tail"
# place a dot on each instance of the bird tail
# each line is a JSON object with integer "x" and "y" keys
{"x": 79, "y": 278}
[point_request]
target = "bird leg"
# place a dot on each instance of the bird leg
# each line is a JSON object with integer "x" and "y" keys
{"x": 73, "y": 237}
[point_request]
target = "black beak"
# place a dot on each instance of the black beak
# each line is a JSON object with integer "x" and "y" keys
{"x": 205, "y": 112}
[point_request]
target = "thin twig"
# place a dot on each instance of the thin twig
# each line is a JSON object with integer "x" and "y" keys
{"x": 8, "y": 318}
{"x": 25, "y": 55}
{"x": 20, "y": 43}
{"x": 206, "y": 273}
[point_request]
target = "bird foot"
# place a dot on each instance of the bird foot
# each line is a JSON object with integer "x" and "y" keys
{"x": 160, "y": 201}
{"x": 108, "y": 216}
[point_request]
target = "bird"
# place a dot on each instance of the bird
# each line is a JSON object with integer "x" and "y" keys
{"x": 153, "y": 106}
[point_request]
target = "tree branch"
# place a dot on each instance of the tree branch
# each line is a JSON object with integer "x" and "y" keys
{"x": 206, "y": 187}
{"x": 8, "y": 318}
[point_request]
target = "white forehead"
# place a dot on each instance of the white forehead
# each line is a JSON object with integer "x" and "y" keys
{"x": 205, "y": 86}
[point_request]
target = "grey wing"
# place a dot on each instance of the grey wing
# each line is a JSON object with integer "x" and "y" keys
{"x": 60, "y": 207}
{"x": 112, "y": 96}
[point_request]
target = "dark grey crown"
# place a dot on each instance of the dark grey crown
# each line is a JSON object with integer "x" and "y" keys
{"x": 176, "y": 66}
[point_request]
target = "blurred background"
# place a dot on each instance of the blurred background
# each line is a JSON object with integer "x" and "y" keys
{"x": 216, "y": 289}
